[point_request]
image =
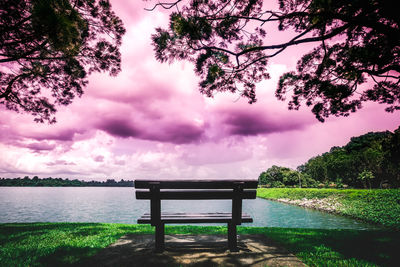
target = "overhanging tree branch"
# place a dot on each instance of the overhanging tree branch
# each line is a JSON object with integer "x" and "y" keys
{"x": 54, "y": 45}
{"x": 354, "y": 39}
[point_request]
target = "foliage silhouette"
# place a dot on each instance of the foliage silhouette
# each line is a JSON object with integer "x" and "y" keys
{"x": 47, "y": 49}
{"x": 356, "y": 42}
{"x": 36, "y": 181}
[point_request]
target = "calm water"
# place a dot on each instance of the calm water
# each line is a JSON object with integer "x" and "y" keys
{"x": 118, "y": 205}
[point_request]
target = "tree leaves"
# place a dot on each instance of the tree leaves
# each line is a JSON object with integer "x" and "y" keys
{"x": 356, "y": 42}
{"x": 60, "y": 24}
{"x": 51, "y": 45}
{"x": 373, "y": 156}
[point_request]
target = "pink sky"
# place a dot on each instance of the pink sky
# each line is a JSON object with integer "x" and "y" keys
{"x": 150, "y": 121}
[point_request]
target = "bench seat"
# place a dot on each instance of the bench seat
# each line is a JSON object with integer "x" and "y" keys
{"x": 218, "y": 217}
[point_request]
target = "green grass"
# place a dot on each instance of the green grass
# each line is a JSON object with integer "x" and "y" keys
{"x": 57, "y": 244}
{"x": 63, "y": 244}
{"x": 380, "y": 206}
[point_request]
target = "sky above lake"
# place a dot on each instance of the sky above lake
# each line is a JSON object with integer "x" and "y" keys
{"x": 152, "y": 122}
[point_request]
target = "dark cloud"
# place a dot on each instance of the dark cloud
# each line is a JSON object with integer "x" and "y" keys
{"x": 119, "y": 127}
{"x": 172, "y": 132}
{"x": 245, "y": 123}
{"x": 180, "y": 133}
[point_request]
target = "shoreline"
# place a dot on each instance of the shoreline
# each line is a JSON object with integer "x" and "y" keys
{"x": 324, "y": 205}
{"x": 380, "y": 207}
{"x": 329, "y": 204}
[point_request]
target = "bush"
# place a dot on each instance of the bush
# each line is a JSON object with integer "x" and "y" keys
{"x": 281, "y": 176}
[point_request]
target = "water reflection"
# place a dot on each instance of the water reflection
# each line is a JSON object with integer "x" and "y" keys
{"x": 118, "y": 205}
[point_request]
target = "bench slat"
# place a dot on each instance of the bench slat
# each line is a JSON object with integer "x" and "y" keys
{"x": 196, "y": 194}
{"x": 218, "y": 214}
{"x": 194, "y": 218}
{"x": 200, "y": 184}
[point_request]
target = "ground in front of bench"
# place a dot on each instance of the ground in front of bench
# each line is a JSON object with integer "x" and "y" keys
{"x": 193, "y": 250}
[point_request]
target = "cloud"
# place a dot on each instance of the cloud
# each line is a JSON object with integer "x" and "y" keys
{"x": 58, "y": 134}
{"x": 60, "y": 163}
{"x": 179, "y": 133}
{"x": 168, "y": 131}
{"x": 40, "y": 146}
{"x": 119, "y": 162}
{"x": 228, "y": 150}
{"x": 247, "y": 123}
{"x": 99, "y": 158}
{"x": 119, "y": 127}
{"x": 19, "y": 129}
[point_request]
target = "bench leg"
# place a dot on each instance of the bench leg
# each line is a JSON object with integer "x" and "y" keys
{"x": 160, "y": 238}
{"x": 232, "y": 237}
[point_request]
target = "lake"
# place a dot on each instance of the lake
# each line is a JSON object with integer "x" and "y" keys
{"x": 119, "y": 205}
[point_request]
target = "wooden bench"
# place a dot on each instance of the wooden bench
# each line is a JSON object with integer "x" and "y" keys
{"x": 155, "y": 191}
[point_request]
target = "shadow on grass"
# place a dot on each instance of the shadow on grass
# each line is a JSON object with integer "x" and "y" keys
{"x": 319, "y": 247}
{"x": 192, "y": 250}
{"x": 61, "y": 244}
{"x": 66, "y": 255}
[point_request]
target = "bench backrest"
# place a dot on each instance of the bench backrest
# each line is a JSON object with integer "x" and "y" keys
{"x": 196, "y": 189}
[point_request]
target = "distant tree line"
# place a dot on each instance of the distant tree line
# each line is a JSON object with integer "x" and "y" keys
{"x": 36, "y": 181}
{"x": 371, "y": 160}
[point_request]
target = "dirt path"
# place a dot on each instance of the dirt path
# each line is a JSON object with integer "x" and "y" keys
{"x": 193, "y": 250}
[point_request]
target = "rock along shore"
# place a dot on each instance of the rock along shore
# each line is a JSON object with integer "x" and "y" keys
{"x": 329, "y": 204}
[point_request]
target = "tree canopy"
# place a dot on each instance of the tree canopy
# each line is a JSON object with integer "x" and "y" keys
{"x": 373, "y": 155}
{"x": 369, "y": 160}
{"x": 282, "y": 176}
{"x": 48, "y": 48}
{"x": 355, "y": 59}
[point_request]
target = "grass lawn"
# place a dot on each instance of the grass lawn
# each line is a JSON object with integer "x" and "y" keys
{"x": 62, "y": 244}
{"x": 380, "y": 206}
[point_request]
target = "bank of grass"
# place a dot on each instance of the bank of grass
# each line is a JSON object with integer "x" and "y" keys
{"x": 65, "y": 244}
{"x": 380, "y": 206}
{"x": 57, "y": 244}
